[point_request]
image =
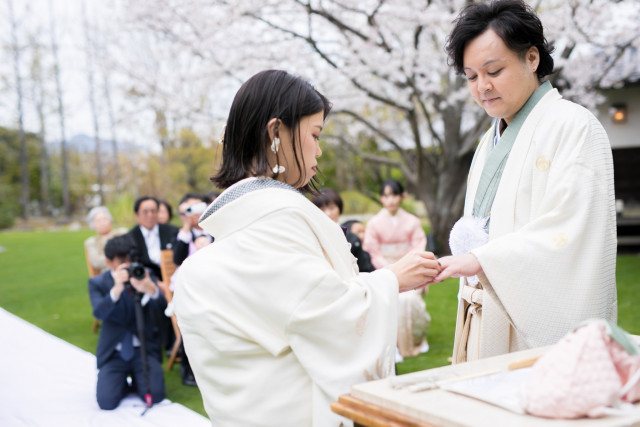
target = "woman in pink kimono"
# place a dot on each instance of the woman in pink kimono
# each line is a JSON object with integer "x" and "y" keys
{"x": 389, "y": 235}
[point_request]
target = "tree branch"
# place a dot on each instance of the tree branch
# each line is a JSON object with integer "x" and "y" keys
{"x": 347, "y": 28}
{"x": 373, "y": 158}
{"x": 314, "y": 45}
{"x": 376, "y": 130}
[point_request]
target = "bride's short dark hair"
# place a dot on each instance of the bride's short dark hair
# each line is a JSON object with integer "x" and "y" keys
{"x": 267, "y": 95}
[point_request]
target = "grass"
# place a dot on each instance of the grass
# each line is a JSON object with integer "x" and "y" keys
{"x": 43, "y": 279}
{"x": 442, "y": 305}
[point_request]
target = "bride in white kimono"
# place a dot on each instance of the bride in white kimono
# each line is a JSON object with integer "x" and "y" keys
{"x": 276, "y": 321}
{"x": 540, "y": 191}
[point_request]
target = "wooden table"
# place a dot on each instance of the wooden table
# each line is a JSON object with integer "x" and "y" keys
{"x": 379, "y": 403}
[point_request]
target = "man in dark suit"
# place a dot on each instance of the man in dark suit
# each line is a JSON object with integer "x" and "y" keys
{"x": 191, "y": 206}
{"x": 149, "y": 236}
{"x": 119, "y": 354}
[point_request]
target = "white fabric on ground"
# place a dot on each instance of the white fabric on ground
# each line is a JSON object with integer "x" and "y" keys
{"x": 46, "y": 381}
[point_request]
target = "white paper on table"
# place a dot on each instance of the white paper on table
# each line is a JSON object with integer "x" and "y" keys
{"x": 504, "y": 389}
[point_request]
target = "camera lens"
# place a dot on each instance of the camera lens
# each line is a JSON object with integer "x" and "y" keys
{"x": 136, "y": 270}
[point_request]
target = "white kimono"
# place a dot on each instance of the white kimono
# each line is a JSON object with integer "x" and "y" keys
{"x": 276, "y": 321}
{"x": 551, "y": 257}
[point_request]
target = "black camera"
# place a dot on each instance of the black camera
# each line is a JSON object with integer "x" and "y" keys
{"x": 136, "y": 270}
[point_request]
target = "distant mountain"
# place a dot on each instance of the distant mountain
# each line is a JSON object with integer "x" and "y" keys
{"x": 86, "y": 144}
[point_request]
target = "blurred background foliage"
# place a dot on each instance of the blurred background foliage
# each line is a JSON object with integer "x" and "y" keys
{"x": 184, "y": 165}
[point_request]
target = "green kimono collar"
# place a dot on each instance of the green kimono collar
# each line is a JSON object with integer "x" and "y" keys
{"x": 498, "y": 155}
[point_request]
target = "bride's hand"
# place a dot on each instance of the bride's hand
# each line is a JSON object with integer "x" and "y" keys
{"x": 414, "y": 270}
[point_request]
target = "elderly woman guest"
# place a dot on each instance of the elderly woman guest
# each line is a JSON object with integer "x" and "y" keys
{"x": 540, "y": 190}
{"x": 100, "y": 220}
{"x": 276, "y": 320}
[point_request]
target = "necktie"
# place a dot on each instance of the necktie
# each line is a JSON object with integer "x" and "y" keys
{"x": 127, "y": 347}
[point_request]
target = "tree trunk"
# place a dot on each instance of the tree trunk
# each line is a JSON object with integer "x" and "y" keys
{"x": 66, "y": 199}
{"x": 94, "y": 113}
{"x": 114, "y": 137}
{"x": 24, "y": 171}
{"x": 449, "y": 200}
{"x": 38, "y": 97}
{"x": 163, "y": 133}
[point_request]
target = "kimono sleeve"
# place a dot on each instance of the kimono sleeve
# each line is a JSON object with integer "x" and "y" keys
{"x": 344, "y": 333}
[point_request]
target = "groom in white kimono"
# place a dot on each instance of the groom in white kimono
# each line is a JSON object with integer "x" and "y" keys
{"x": 540, "y": 194}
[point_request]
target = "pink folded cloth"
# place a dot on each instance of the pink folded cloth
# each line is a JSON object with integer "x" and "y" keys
{"x": 592, "y": 369}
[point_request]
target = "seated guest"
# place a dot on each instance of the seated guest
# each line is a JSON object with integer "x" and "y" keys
{"x": 191, "y": 206}
{"x": 149, "y": 236}
{"x": 356, "y": 227}
{"x": 185, "y": 368}
{"x": 355, "y": 236}
{"x": 391, "y": 234}
{"x": 165, "y": 212}
{"x": 330, "y": 202}
{"x": 191, "y": 237}
{"x": 118, "y": 353}
{"x": 101, "y": 221}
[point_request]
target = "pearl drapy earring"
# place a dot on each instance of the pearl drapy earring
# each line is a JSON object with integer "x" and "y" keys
{"x": 275, "y": 146}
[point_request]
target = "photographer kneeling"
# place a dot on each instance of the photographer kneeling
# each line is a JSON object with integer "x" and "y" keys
{"x": 120, "y": 354}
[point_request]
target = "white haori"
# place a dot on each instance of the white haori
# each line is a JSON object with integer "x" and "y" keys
{"x": 551, "y": 256}
{"x": 276, "y": 320}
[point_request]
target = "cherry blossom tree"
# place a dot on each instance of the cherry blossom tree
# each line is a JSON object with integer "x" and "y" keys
{"x": 383, "y": 65}
{"x": 176, "y": 64}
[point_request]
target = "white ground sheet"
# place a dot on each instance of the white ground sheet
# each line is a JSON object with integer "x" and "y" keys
{"x": 45, "y": 381}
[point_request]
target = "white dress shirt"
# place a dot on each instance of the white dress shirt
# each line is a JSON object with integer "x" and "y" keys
{"x": 152, "y": 240}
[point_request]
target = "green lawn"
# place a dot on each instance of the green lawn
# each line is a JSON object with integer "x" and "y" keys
{"x": 43, "y": 279}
